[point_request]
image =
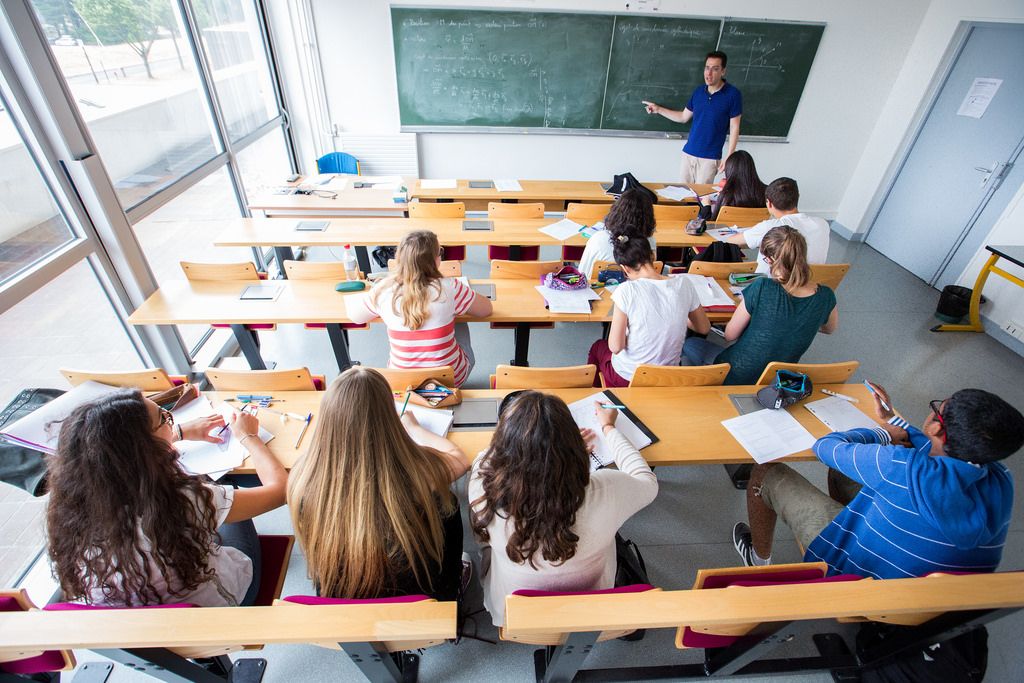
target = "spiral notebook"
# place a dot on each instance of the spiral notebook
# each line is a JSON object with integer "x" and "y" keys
{"x": 628, "y": 424}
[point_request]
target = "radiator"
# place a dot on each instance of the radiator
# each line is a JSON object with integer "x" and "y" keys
{"x": 383, "y": 154}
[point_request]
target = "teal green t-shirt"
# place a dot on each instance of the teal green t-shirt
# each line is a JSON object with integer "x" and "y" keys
{"x": 781, "y": 328}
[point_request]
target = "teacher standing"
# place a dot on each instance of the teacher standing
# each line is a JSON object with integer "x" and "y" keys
{"x": 716, "y": 108}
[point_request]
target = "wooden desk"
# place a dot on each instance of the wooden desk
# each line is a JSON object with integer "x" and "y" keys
{"x": 557, "y": 192}
{"x": 180, "y": 302}
{"x": 347, "y": 200}
{"x": 687, "y": 421}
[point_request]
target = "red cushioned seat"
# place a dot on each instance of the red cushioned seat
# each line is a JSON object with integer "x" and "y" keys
{"x": 632, "y": 588}
{"x": 317, "y": 600}
{"x": 571, "y": 252}
{"x": 502, "y": 253}
{"x": 454, "y": 253}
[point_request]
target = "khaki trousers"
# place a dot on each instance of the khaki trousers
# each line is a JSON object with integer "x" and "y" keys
{"x": 698, "y": 170}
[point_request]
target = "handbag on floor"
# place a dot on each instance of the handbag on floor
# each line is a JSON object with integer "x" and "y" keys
{"x": 630, "y": 569}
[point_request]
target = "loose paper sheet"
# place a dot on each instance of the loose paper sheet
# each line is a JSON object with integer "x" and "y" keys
{"x": 562, "y": 230}
{"x": 839, "y": 415}
{"x": 507, "y": 185}
{"x": 769, "y": 434}
{"x": 676, "y": 193}
{"x": 978, "y": 98}
{"x": 201, "y": 457}
{"x": 709, "y": 291}
{"x": 442, "y": 184}
{"x": 585, "y": 418}
{"x": 573, "y": 301}
{"x": 435, "y": 420}
{"x": 723, "y": 234}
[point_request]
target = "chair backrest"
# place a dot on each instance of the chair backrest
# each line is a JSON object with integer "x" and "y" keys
{"x": 29, "y": 662}
{"x": 516, "y": 377}
{"x": 314, "y": 270}
{"x": 587, "y": 213}
{"x": 829, "y": 274}
{"x": 151, "y": 379}
{"x": 523, "y": 269}
{"x": 721, "y": 270}
{"x": 338, "y": 162}
{"x": 612, "y": 265}
{"x": 744, "y": 218}
{"x": 400, "y": 380}
{"x": 391, "y": 645}
{"x": 447, "y": 268}
{"x": 819, "y": 373}
{"x": 220, "y": 271}
{"x": 297, "y": 379}
{"x": 418, "y": 209}
{"x": 504, "y": 210}
{"x": 674, "y": 376}
{"x": 672, "y": 212}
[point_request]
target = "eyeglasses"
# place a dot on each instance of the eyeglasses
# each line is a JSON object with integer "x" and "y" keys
{"x": 936, "y": 407}
{"x": 166, "y": 418}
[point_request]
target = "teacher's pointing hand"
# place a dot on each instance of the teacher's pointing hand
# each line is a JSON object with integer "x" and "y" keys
{"x": 652, "y": 108}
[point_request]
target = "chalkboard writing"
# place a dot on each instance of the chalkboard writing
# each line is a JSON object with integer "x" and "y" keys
{"x": 550, "y": 70}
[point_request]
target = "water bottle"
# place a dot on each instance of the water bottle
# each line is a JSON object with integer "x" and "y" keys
{"x": 348, "y": 259}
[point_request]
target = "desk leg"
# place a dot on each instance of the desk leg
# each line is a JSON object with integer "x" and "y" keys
{"x": 975, "y": 310}
{"x": 522, "y": 341}
{"x": 250, "y": 346}
{"x": 515, "y": 252}
{"x": 363, "y": 258}
{"x": 339, "y": 342}
{"x": 282, "y": 254}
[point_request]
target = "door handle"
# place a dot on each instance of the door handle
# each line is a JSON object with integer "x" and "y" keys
{"x": 983, "y": 169}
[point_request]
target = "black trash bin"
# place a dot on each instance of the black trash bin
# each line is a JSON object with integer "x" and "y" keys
{"x": 954, "y": 304}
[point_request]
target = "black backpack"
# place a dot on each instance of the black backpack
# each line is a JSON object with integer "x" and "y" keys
{"x": 21, "y": 466}
{"x": 626, "y": 181}
{"x": 962, "y": 659}
{"x": 721, "y": 252}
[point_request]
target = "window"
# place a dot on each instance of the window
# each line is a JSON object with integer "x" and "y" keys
{"x": 231, "y": 36}
{"x": 132, "y": 74}
{"x": 31, "y": 224}
{"x": 68, "y": 323}
{"x": 264, "y": 164}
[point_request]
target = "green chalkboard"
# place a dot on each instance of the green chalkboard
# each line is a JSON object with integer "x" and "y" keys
{"x": 521, "y": 69}
{"x": 461, "y": 68}
{"x": 769, "y": 63}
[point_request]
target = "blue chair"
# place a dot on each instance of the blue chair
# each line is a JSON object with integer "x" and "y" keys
{"x": 338, "y": 162}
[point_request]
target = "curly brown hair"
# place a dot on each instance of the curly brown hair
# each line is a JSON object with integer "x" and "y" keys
{"x": 113, "y": 481}
{"x": 631, "y": 215}
{"x": 535, "y": 473}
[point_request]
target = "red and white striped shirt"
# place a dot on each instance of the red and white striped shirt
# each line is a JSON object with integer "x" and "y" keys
{"x": 433, "y": 345}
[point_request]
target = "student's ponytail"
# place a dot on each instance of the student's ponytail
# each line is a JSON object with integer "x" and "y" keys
{"x": 416, "y": 275}
{"x": 787, "y": 249}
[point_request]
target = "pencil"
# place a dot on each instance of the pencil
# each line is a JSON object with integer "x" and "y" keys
{"x": 609, "y": 406}
{"x": 406, "y": 404}
{"x": 304, "y": 428}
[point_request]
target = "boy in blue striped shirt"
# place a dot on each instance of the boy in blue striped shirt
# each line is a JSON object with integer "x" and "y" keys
{"x": 902, "y": 502}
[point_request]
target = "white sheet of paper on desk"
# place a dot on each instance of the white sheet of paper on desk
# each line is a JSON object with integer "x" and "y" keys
{"x": 723, "y": 234}
{"x": 202, "y": 457}
{"x": 507, "y": 185}
{"x": 769, "y": 434}
{"x": 321, "y": 179}
{"x": 435, "y": 420}
{"x": 708, "y": 290}
{"x": 35, "y": 429}
{"x": 839, "y": 415}
{"x": 439, "y": 184}
{"x": 676, "y": 193}
{"x": 562, "y": 230}
{"x": 585, "y": 417}
{"x": 572, "y": 301}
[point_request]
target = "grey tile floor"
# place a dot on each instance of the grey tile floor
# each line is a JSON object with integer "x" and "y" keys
{"x": 885, "y": 314}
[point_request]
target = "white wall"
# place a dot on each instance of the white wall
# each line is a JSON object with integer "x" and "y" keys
{"x": 863, "y": 44}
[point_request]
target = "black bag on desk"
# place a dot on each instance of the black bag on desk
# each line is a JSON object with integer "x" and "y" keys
{"x": 626, "y": 181}
{"x": 382, "y": 255}
{"x": 21, "y": 466}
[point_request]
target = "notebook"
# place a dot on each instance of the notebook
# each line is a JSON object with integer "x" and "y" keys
{"x": 839, "y": 415}
{"x": 436, "y": 420}
{"x": 267, "y": 292}
{"x": 311, "y": 226}
{"x": 39, "y": 429}
{"x": 628, "y": 424}
{"x": 203, "y": 457}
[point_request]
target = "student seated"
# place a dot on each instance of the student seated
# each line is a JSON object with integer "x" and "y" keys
{"x": 371, "y": 499}
{"x": 904, "y": 502}
{"x": 543, "y": 520}
{"x": 778, "y": 316}
{"x": 632, "y": 215}
{"x": 652, "y": 314}
{"x": 419, "y": 307}
{"x": 743, "y": 187}
{"x": 781, "y": 198}
{"x": 127, "y": 526}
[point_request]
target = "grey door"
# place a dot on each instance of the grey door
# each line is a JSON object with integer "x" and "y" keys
{"x": 960, "y": 172}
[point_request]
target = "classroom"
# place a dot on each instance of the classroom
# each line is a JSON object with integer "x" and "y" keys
{"x": 216, "y": 202}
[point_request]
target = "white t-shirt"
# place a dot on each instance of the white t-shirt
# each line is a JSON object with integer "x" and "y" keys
{"x": 599, "y": 248}
{"x": 815, "y": 231}
{"x": 433, "y": 345}
{"x": 657, "y": 311}
{"x": 612, "y": 497}
{"x": 232, "y": 569}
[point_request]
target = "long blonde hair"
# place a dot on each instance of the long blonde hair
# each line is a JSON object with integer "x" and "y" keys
{"x": 787, "y": 249}
{"x": 366, "y": 501}
{"x": 417, "y": 279}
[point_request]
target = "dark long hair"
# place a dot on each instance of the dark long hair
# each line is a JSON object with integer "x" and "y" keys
{"x": 536, "y": 473}
{"x": 631, "y": 215}
{"x": 743, "y": 187}
{"x": 110, "y": 479}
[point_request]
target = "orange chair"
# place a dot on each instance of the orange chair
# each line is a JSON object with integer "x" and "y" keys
{"x": 503, "y": 210}
{"x": 418, "y": 209}
{"x": 588, "y": 214}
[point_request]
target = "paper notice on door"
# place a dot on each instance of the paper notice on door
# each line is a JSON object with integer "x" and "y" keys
{"x": 979, "y": 97}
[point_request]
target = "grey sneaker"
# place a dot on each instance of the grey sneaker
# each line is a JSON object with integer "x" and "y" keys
{"x": 741, "y": 540}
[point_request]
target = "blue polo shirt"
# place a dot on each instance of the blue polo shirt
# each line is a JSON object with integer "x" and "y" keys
{"x": 711, "y": 114}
